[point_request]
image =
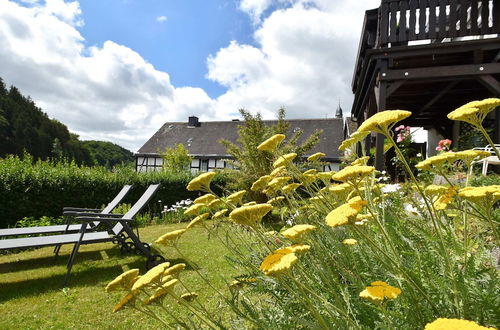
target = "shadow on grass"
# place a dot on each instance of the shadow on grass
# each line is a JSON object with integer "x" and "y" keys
{"x": 81, "y": 276}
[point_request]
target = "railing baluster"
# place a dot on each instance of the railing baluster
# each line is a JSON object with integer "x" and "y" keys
{"x": 384, "y": 24}
{"x": 393, "y": 36}
{"x": 443, "y": 33}
{"x": 474, "y": 13}
{"x": 452, "y": 24}
{"x": 403, "y": 27}
{"x": 496, "y": 17}
{"x": 422, "y": 21}
{"x": 485, "y": 13}
{"x": 412, "y": 26}
{"x": 464, "y": 5}
{"x": 432, "y": 19}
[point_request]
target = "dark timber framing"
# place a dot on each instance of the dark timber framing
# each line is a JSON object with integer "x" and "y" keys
{"x": 428, "y": 57}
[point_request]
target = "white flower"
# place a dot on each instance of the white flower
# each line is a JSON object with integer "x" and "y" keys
{"x": 390, "y": 188}
{"x": 383, "y": 172}
{"x": 411, "y": 209}
{"x": 419, "y": 155}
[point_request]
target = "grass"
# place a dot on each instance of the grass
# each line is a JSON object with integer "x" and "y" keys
{"x": 32, "y": 296}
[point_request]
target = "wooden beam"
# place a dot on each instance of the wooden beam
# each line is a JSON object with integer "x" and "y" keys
{"x": 394, "y": 86}
{"x": 491, "y": 83}
{"x": 441, "y": 72}
{"x": 437, "y": 97}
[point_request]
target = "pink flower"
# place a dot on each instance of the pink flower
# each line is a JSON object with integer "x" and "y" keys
{"x": 444, "y": 145}
{"x": 400, "y": 127}
{"x": 438, "y": 148}
{"x": 400, "y": 139}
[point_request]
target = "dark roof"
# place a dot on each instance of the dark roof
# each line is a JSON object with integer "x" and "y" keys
{"x": 203, "y": 140}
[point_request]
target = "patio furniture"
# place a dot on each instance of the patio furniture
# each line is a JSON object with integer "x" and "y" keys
{"x": 69, "y": 213}
{"x": 493, "y": 159}
{"x": 120, "y": 232}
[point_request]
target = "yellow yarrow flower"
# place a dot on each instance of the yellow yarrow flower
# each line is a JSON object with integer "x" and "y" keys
{"x": 344, "y": 213}
{"x": 219, "y": 214}
{"x": 278, "y": 182}
{"x": 201, "y": 182}
{"x": 361, "y": 161}
{"x": 284, "y": 160}
{"x": 170, "y": 237}
{"x": 433, "y": 190}
{"x": 339, "y": 188}
{"x": 278, "y": 170}
{"x": 278, "y": 262}
{"x": 152, "y": 275}
{"x": 275, "y": 200}
{"x": 316, "y": 156}
{"x": 353, "y": 174}
{"x": 125, "y": 300}
{"x": 468, "y": 156}
{"x": 382, "y": 122}
{"x": 250, "y": 203}
{"x": 189, "y": 296}
{"x": 485, "y": 195}
{"x": 159, "y": 293}
{"x": 194, "y": 209}
{"x": 380, "y": 290}
{"x": 198, "y": 220}
{"x": 205, "y": 199}
{"x": 290, "y": 188}
{"x": 215, "y": 203}
{"x": 271, "y": 143}
{"x": 122, "y": 281}
{"x": 236, "y": 197}
{"x": 474, "y": 112}
{"x": 261, "y": 183}
{"x": 325, "y": 176}
{"x": 353, "y": 140}
{"x": 250, "y": 215}
{"x": 174, "y": 270}
{"x": 442, "y": 202}
{"x": 298, "y": 231}
{"x": 349, "y": 241}
{"x": 454, "y": 324}
{"x": 437, "y": 161}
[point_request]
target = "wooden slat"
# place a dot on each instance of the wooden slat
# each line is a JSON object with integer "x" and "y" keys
{"x": 393, "y": 36}
{"x": 496, "y": 17}
{"x": 464, "y": 5}
{"x": 403, "y": 27}
{"x": 443, "y": 33}
{"x": 432, "y": 19}
{"x": 474, "y": 13}
{"x": 485, "y": 13}
{"x": 384, "y": 24}
{"x": 452, "y": 24}
{"x": 453, "y": 71}
{"x": 422, "y": 21}
{"x": 412, "y": 23}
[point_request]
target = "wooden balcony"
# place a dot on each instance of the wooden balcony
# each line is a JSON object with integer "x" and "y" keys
{"x": 429, "y": 57}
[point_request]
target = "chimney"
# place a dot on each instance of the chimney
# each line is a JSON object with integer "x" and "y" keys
{"x": 193, "y": 121}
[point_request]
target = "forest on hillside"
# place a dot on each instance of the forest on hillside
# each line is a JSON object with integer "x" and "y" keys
{"x": 24, "y": 127}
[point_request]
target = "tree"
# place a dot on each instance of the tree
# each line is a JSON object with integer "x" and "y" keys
{"x": 252, "y": 163}
{"x": 176, "y": 159}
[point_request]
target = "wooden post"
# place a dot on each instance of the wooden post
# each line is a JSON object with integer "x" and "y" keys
{"x": 379, "y": 143}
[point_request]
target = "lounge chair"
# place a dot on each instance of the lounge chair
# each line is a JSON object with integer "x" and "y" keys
{"x": 69, "y": 213}
{"x": 119, "y": 233}
{"x": 490, "y": 160}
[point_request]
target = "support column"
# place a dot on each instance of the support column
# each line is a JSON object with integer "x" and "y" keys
{"x": 381, "y": 104}
{"x": 497, "y": 126}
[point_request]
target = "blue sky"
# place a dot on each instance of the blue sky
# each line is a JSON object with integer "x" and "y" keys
{"x": 116, "y": 70}
{"x": 179, "y": 44}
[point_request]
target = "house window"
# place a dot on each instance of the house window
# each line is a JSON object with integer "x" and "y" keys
{"x": 204, "y": 165}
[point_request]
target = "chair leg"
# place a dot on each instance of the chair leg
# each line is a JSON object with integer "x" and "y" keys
{"x": 485, "y": 167}
{"x": 57, "y": 248}
{"x": 137, "y": 242}
{"x": 72, "y": 256}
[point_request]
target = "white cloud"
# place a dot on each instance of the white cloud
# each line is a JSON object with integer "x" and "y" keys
{"x": 161, "y": 18}
{"x": 303, "y": 59}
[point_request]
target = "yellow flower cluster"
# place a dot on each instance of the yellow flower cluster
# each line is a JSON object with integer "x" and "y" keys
{"x": 201, "y": 182}
{"x": 278, "y": 171}
{"x": 284, "y": 160}
{"x": 380, "y": 290}
{"x": 454, "y": 324}
{"x": 437, "y": 161}
{"x": 250, "y": 215}
{"x": 435, "y": 190}
{"x": 205, "y": 199}
{"x": 353, "y": 174}
{"x": 278, "y": 183}
{"x": 271, "y": 143}
{"x": 361, "y": 161}
{"x": 170, "y": 237}
{"x": 122, "y": 281}
{"x": 298, "y": 231}
{"x": 189, "y": 296}
{"x": 381, "y": 122}
{"x": 346, "y": 212}
{"x": 152, "y": 275}
{"x": 194, "y": 209}
{"x": 261, "y": 183}
{"x": 282, "y": 259}
{"x": 316, "y": 156}
{"x": 198, "y": 220}
{"x": 290, "y": 188}
{"x": 236, "y": 197}
{"x": 355, "y": 138}
{"x": 442, "y": 202}
{"x": 275, "y": 200}
{"x": 349, "y": 241}
{"x": 488, "y": 195}
{"x": 219, "y": 214}
{"x": 125, "y": 300}
{"x": 474, "y": 112}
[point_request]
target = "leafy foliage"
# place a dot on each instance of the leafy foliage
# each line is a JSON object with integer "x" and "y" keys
{"x": 176, "y": 159}
{"x": 252, "y": 163}
{"x": 108, "y": 154}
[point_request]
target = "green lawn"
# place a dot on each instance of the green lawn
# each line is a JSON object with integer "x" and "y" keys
{"x": 32, "y": 296}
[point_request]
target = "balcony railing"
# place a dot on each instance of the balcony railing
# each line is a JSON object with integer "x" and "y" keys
{"x": 411, "y": 20}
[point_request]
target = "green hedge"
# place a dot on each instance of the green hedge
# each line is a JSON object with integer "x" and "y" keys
{"x": 44, "y": 188}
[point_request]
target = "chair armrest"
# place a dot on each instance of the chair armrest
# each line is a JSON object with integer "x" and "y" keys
{"x": 93, "y": 214}
{"x": 109, "y": 220}
{"x": 79, "y": 209}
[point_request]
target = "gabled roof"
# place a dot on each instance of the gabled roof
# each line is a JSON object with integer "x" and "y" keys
{"x": 203, "y": 140}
